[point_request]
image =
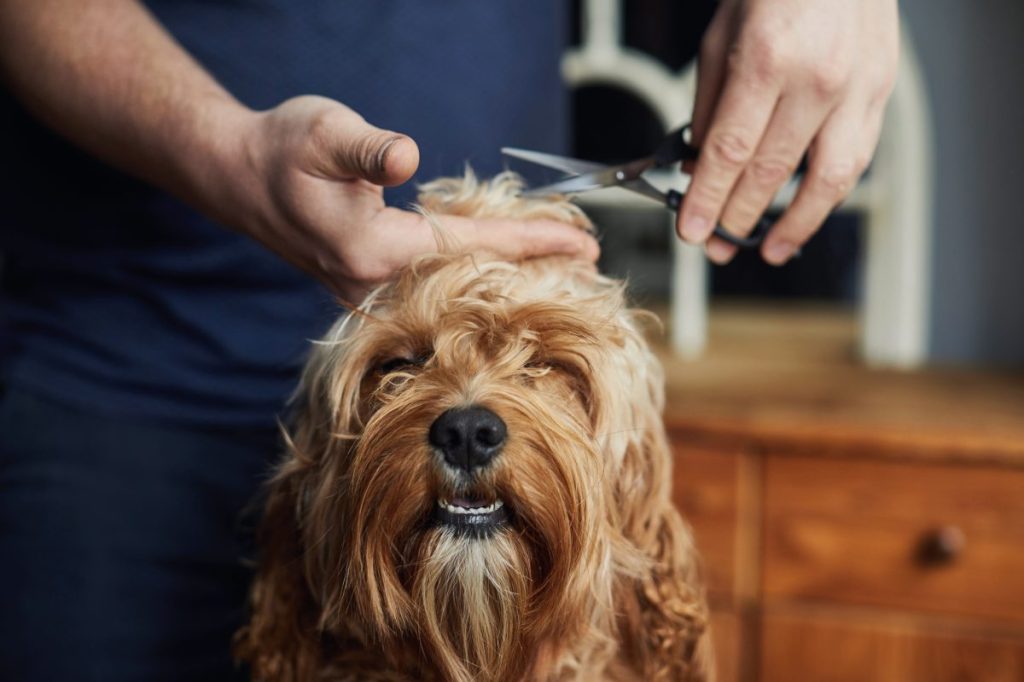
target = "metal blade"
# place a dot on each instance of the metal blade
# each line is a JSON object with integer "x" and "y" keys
{"x": 573, "y": 185}
{"x": 562, "y": 163}
{"x": 641, "y": 186}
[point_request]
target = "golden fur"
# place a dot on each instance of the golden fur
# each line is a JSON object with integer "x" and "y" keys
{"x": 594, "y": 577}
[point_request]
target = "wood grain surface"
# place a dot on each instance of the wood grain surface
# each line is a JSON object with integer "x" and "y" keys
{"x": 821, "y": 647}
{"x": 862, "y": 531}
{"x": 790, "y": 378}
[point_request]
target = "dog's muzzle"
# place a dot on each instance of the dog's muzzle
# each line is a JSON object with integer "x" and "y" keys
{"x": 469, "y": 438}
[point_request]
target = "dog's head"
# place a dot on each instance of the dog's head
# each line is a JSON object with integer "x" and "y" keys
{"x": 469, "y": 472}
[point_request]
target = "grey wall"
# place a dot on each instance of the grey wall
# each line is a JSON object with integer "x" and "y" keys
{"x": 973, "y": 57}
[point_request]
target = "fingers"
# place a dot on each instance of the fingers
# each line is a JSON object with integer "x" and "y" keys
{"x": 512, "y": 240}
{"x": 839, "y": 156}
{"x": 523, "y": 239}
{"x": 719, "y": 250}
{"x": 795, "y": 123}
{"x": 740, "y": 119}
{"x": 786, "y": 76}
{"x": 410, "y": 235}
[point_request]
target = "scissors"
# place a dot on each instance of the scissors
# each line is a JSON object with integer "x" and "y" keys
{"x": 584, "y": 176}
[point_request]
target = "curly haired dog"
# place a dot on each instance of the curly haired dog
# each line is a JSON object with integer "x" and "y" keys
{"x": 477, "y": 483}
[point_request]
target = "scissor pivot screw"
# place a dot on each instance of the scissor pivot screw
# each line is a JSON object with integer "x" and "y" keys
{"x": 620, "y": 176}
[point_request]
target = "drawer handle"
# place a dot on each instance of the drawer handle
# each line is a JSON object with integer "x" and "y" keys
{"x": 941, "y": 546}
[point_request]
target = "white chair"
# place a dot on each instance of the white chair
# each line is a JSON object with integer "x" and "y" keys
{"x": 894, "y": 200}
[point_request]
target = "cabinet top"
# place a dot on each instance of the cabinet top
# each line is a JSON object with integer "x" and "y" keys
{"x": 788, "y": 379}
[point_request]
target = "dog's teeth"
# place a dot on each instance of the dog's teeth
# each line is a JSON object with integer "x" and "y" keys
{"x": 456, "y": 509}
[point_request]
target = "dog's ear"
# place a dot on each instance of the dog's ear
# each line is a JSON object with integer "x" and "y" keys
{"x": 664, "y": 625}
{"x": 666, "y": 628}
{"x": 663, "y": 614}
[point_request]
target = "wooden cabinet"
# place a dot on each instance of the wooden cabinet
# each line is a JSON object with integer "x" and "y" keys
{"x": 939, "y": 538}
{"x": 855, "y": 525}
{"x": 834, "y": 646}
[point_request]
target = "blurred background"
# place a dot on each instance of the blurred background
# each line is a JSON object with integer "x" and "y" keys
{"x": 849, "y": 429}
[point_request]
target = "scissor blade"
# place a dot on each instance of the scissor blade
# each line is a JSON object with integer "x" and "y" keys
{"x": 573, "y": 185}
{"x": 641, "y": 186}
{"x": 562, "y": 163}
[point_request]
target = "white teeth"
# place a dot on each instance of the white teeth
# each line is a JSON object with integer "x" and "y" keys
{"x": 455, "y": 509}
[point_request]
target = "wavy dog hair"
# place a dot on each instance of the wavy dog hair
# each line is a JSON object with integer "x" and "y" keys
{"x": 594, "y": 575}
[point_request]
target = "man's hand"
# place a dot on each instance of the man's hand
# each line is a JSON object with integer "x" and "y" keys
{"x": 315, "y": 172}
{"x": 776, "y": 79}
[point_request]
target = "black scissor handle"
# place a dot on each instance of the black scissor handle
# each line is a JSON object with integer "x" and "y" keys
{"x": 674, "y": 199}
{"x": 674, "y": 148}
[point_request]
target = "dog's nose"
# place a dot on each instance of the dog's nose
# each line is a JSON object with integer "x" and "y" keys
{"x": 468, "y": 437}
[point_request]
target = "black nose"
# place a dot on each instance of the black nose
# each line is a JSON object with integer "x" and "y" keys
{"x": 468, "y": 437}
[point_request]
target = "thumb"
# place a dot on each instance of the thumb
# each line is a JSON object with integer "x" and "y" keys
{"x": 378, "y": 156}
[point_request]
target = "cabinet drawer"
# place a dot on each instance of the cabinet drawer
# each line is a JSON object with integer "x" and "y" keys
{"x": 705, "y": 491}
{"x": 924, "y": 537}
{"x": 836, "y": 648}
{"x": 726, "y": 637}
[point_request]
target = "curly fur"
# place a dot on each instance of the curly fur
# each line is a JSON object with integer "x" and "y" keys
{"x": 595, "y": 576}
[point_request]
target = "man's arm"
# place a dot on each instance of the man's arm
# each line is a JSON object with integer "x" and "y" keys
{"x": 107, "y": 76}
{"x": 304, "y": 178}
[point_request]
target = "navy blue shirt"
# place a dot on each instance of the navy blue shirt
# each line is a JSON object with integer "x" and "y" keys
{"x": 118, "y": 298}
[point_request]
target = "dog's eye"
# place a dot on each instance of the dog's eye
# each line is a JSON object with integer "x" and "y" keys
{"x": 543, "y": 365}
{"x": 402, "y": 363}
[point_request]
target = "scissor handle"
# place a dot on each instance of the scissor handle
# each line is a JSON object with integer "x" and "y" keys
{"x": 674, "y": 148}
{"x": 674, "y": 199}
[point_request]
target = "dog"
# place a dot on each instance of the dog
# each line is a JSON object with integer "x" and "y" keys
{"x": 477, "y": 481}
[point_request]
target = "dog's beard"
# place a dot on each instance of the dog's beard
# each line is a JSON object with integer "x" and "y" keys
{"x": 478, "y": 603}
{"x": 472, "y": 594}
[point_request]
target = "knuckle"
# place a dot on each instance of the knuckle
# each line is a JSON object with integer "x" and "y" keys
{"x": 730, "y": 149}
{"x": 833, "y": 180}
{"x": 769, "y": 172}
{"x": 321, "y": 129}
{"x": 763, "y": 58}
{"x": 739, "y": 217}
{"x": 829, "y": 77}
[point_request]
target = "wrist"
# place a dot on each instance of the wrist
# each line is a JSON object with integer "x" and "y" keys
{"x": 221, "y": 167}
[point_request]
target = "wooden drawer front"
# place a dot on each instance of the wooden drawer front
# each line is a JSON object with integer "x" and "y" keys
{"x": 705, "y": 491}
{"x": 726, "y": 634}
{"x": 857, "y": 531}
{"x": 795, "y": 648}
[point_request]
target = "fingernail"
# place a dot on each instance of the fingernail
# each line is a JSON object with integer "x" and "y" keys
{"x": 778, "y": 252}
{"x": 719, "y": 252}
{"x": 696, "y": 228}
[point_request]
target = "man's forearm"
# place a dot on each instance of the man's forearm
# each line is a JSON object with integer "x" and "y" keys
{"x": 107, "y": 76}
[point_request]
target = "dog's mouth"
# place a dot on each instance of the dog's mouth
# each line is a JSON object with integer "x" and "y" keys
{"x": 471, "y": 515}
